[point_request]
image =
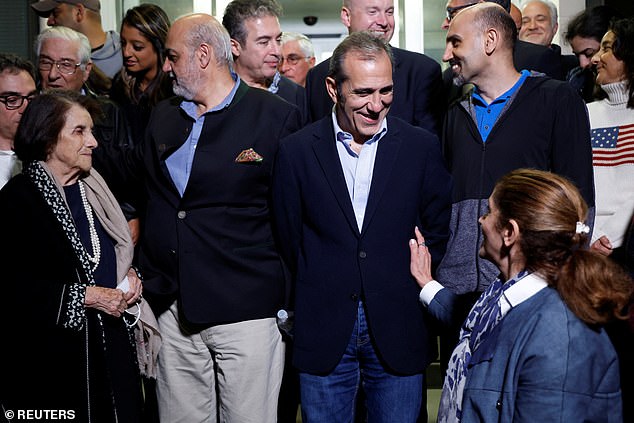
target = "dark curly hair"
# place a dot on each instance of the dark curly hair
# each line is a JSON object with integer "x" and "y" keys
{"x": 623, "y": 48}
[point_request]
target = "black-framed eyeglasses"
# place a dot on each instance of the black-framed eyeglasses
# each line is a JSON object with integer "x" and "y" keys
{"x": 64, "y": 66}
{"x": 451, "y": 11}
{"x": 14, "y": 101}
{"x": 292, "y": 59}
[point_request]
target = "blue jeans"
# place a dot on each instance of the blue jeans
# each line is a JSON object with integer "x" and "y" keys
{"x": 331, "y": 398}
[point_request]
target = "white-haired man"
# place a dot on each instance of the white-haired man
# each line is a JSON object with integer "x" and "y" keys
{"x": 85, "y": 16}
{"x": 298, "y": 57}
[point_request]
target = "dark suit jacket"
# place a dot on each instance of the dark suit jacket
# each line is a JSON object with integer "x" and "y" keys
{"x": 213, "y": 248}
{"x": 417, "y": 91}
{"x": 294, "y": 94}
{"x": 539, "y": 58}
{"x": 335, "y": 265}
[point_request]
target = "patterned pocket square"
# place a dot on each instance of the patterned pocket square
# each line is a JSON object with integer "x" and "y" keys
{"x": 249, "y": 156}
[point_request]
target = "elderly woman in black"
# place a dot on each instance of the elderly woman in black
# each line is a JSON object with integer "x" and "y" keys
{"x": 67, "y": 283}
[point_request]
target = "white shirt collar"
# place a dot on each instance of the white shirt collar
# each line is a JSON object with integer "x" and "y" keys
{"x": 522, "y": 291}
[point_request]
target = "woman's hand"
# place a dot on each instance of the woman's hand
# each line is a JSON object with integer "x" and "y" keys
{"x": 136, "y": 287}
{"x": 420, "y": 259}
{"x": 109, "y": 300}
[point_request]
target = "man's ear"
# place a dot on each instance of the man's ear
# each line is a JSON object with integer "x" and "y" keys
{"x": 331, "y": 87}
{"x": 511, "y": 233}
{"x": 236, "y": 48}
{"x": 345, "y": 16}
{"x": 87, "y": 71}
{"x": 79, "y": 12}
{"x": 491, "y": 40}
{"x": 204, "y": 53}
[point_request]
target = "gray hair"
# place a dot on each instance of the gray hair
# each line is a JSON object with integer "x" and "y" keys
{"x": 551, "y": 6}
{"x": 367, "y": 45}
{"x": 65, "y": 33}
{"x": 305, "y": 45}
{"x": 213, "y": 33}
{"x": 239, "y": 11}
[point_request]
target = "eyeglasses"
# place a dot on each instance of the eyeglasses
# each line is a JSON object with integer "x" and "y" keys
{"x": 64, "y": 66}
{"x": 14, "y": 101}
{"x": 452, "y": 11}
{"x": 292, "y": 59}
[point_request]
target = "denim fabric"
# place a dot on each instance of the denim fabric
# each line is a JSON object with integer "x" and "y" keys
{"x": 389, "y": 397}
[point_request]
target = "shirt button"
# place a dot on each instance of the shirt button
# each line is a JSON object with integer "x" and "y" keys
{"x": 362, "y": 254}
{"x": 488, "y": 110}
{"x": 182, "y": 214}
{"x": 498, "y": 404}
{"x": 172, "y": 251}
{"x": 486, "y": 127}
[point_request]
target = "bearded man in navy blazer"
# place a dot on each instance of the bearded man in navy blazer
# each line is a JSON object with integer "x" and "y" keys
{"x": 348, "y": 191}
{"x": 418, "y": 89}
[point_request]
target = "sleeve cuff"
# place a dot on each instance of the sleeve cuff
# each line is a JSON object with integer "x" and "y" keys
{"x": 429, "y": 291}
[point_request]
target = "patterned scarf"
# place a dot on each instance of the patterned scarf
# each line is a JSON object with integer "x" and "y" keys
{"x": 483, "y": 317}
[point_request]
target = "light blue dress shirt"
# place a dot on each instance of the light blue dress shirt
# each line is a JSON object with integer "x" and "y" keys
{"x": 357, "y": 168}
{"x": 179, "y": 164}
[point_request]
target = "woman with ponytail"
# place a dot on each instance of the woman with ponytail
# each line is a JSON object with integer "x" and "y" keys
{"x": 532, "y": 348}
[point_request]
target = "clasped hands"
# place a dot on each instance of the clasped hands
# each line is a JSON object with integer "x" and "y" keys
{"x": 114, "y": 301}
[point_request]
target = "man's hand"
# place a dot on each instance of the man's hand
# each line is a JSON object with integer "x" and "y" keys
{"x": 602, "y": 246}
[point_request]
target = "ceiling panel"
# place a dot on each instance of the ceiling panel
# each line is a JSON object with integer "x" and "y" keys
{"x": 323, "y": 9}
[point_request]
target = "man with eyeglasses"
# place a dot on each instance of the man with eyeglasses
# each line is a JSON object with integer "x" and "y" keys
{"x": 17, "y": 88}
{"x": 417, "y": 79}
{"x": 254, "y": 28}
{"x": 84, "y": 16}
{"x": 298, "y": 57}
{"x": 63, "y": 62}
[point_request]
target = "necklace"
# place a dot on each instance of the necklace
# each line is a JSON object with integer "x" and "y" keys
{"x": 94, "y": 238}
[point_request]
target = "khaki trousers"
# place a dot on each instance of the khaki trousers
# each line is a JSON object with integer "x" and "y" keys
{"x": 231, "y": 371}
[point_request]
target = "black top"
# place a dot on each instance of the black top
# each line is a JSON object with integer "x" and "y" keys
{"x": 106, "y": 273}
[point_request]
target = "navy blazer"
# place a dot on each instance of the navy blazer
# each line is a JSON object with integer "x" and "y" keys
{"x": 540, "y": 364}
{"x": 212, "y": 248}
{"x": 294, "y": 94}
{"x": 418, "y": 91}
{"x": 335, "y": 265}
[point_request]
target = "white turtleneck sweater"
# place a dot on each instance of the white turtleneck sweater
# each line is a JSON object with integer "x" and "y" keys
{"x": 612, "y": 126}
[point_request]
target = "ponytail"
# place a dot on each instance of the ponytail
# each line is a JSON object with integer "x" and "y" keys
{"x": 594, "y": 288}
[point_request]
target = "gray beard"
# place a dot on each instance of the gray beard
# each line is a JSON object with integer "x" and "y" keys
{"x": 184, "y": 92}
{"x": 458, "y": 80}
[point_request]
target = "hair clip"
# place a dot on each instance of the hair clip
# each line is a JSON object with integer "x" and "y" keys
{"x": 582, "y": 228}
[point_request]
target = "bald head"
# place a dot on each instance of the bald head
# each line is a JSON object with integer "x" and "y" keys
{"x": 199, "y": 28}
{"x": 489, "y": 15}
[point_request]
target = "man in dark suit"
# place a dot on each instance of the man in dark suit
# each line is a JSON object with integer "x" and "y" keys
{"x": 348, "y": 191}
{"x": 212, "y": 271}
{"x": 256, "y": 37}
{"x": 417, "y": 79}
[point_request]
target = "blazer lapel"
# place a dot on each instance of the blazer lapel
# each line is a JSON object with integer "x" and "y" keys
{"x": 386, "y": 155}
{"x": 326, "y": 152}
